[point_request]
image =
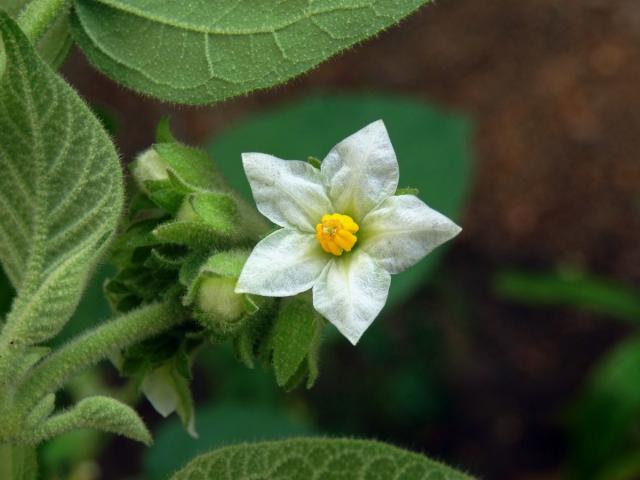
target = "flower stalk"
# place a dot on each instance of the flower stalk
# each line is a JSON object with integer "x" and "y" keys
{"x": 94, "y": 346}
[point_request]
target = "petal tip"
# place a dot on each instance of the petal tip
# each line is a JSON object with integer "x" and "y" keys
{"x": 248, "y": 157}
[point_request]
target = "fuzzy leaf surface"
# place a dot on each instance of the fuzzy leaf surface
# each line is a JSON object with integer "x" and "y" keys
{"x": 325, "y": 459}
{"x": 56, "y": 40}
{"x": 60, "y": 191}
{"x": 203, "y": 51}
{"x": 99, "y": 413}
{"x": 293, "y": 336}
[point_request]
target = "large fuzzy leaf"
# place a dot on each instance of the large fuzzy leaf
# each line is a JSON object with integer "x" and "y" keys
{"x": 60, "y": 191}
{"x": 203, "y": 51}
{"x": 315, "y": 458}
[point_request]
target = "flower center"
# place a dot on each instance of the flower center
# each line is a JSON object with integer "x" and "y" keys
{"x": 336, "y": 233}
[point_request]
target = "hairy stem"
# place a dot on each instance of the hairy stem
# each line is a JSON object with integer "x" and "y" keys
{"x": 18, "y": 462}
{"x": 38, "y": 15}
{"x": 94, "y": 346}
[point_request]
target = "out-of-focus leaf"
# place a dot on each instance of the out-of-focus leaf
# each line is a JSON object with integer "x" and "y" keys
{"x": 60, "y": 454}
{"x": 217, "y": 426}
{"x": 575, "y": 290}
{"x": 303, "y": 458}
{"x": 432, "y": 145}
{"x": 604, "y": 426}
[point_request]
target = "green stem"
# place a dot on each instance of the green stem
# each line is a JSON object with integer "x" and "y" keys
{"x": 38, "y": 15}
{"x": 94, "y": 346}
{"x": 18, "y": 462}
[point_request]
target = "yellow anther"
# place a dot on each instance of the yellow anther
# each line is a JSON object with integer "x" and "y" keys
{"x": 336, "y": 233}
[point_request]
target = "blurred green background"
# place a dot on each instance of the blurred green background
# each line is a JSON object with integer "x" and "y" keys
{"x": 513, "y": 352}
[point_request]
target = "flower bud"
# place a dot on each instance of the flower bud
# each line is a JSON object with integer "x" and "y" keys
{"x": 216, "y": 304}
{"x": 149, "y": 166}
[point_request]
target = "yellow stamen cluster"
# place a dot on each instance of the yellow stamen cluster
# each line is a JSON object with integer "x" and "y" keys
{"x": 336, "y": 233}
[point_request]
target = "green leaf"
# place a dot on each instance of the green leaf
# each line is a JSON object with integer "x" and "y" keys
{"x": 206, "y": 51}
{"x": 315, "y": 458}
{"x": 216, "y": 210}
{"x": 55, "y": 43}
{"x": 62, "y": 454}
{"x": 432, "y": 145}
{"x": 92, "y": 309}
{"x": 571, "y": 289}
{"x": 18, "y": 462}
{"x": 294, "y": 332}
{"x": 605, "y": 419}
{"x": 60, "y": 191}
{"x": 193, "y": 168}
{"x": 218, "y": 425}
{"x": 99, "y": 413}
{"x": 191, "y": 234}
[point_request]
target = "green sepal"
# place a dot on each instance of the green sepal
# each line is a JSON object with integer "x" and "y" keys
{"x": 408, "y": 191}
{"x": 137, "y": 361}
{"x": 216, "y": 210}
{"x": 135, "y": 285}
{"x": 295, "y": 337}
{"x": 297, "y": 378}
{"x": 193, "y": 168}
{"x": 167, "y": 257}
{"x": 164, "y": 133}
{"x": 314, "y": 162}
{"x": 191, "y": 267}
{"x": 212, "y": 295}
{"x": 126, "y": 247}
{"x": 164, "y": 194}
{"x": 251, "y": 344}
{"x": 251, "y": 303}
{"x": 192, "y": 234}
{"x": 141, "y": 208}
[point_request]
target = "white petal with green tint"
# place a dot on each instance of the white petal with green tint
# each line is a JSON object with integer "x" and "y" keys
{"x": 402, "y": 230}
{"x": 283, "y": 264}
{"x": 361, "y": 171}
{"x": 350, "y": 293}
{"x": 290, "y": 193}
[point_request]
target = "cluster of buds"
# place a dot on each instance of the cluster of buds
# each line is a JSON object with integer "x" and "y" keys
{"x": 187, "y": 237}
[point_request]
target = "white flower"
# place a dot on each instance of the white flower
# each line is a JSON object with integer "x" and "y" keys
{"x": 344, "y": 231}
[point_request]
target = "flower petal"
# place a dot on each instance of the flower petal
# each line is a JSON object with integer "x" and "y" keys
{"x": 350, "y": 293}
{"x": 290, "y": 193}
{"x": 402, "y": 230}
{"x": 284, "y": 263}
{"x": 361, "y": 171}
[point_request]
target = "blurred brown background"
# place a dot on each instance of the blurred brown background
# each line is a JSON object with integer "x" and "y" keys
{"x": 553, "y": 86}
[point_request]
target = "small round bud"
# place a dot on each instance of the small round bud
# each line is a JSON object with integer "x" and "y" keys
{"x": 217, "y": 297}
{"x": 149, "y": 166}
